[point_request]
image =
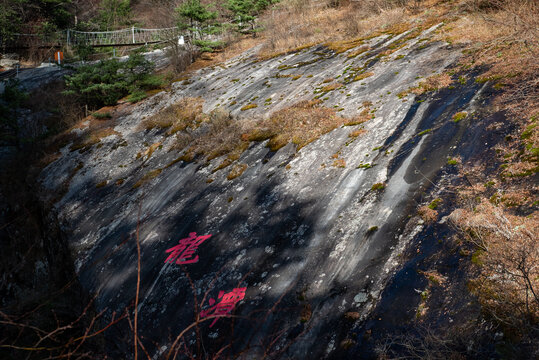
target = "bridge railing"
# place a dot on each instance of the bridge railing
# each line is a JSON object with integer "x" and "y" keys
{"x": 69, "y": 37}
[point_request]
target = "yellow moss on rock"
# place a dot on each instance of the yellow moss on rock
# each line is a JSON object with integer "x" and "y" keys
{"x": 249, "y": 106}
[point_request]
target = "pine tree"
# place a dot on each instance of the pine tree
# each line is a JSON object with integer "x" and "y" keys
{"x": 245, "y": 11}
{"x": 56, "y": 12}
{"x": 196, "y": 13}
{"x": 114, "y": 14}
{"x": 10, "y": 19}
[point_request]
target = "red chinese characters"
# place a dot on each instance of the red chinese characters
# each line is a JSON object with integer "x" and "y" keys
{"x": 183, "y": 253}
{"x": 225, "y": 306}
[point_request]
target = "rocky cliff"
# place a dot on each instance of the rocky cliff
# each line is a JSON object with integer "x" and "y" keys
{"x": 314, "y": 245}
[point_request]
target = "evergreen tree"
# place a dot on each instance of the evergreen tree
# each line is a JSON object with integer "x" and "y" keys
{"x": 11, "y": 100}
{"x": 245, "y": 11}
{"x": 49, "y": 15}
{"x": 114, "y": 14}
{"x": 56, "y": 12}
{"x": 110, "y": 80}
{"x": 196, "y": 14}
{"x": 10, "y": 19}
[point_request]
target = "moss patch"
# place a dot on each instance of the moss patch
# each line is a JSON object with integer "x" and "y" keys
{"x": 249, "y": 106}
{"x": 363, "y": 76}
{"x": 459, "y": 116}
{"x": 345, "y": 45}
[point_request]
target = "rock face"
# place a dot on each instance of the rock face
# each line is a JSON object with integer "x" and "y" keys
{"x": 311, "y": 241}
{"x": 9, "y": 61}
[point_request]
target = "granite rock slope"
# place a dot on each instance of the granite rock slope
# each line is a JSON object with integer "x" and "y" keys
{"x": 313, "y": 240}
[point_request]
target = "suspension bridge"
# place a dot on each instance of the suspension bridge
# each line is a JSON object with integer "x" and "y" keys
{"x": 126, "y": 37}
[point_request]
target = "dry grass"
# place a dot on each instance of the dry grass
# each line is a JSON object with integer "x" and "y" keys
{"x": 86, "y": 141}
{"x": 220, "y": 135}
{"x": 359, "y": 51}
{"x": 363, "y": 76}
{"x": 301, "y": 124}
{"x": 339, "y": 163}
{"x": 294, "y": 25}
{"x": 364, "y": 115}
{"x": 147, "y": 177}
{"x": 434, "y": 277}
{"x": 432, "y": 83}
{"x": 344, "y": 45}
{"x": 178, "y": 117}
{"x": 236, "y": 171}
{"x": 146, "y": 154}
{"x": 428, "y": 215}
{"x": 521, "y": 154}
{"x": 356, "y": 133}
{"x": 504, "y": 35}
{"x": 236, "y": 45}
{"x": 508, "y": 258}
{"x": 331, "y": 87}
{"x": 499, "y": 218}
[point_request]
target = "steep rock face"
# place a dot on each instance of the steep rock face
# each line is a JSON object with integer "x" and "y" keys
{"x": 309, "y": 241}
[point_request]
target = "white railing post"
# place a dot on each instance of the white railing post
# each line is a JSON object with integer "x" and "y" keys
{"x": 133, "y": 32}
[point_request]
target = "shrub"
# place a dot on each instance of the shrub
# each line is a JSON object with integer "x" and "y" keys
{"x": 507, "y": 255}
{"x": 136, "y": 96}
{"x": 245, "y": 12}
{"x": 434, "y": 204}
{"x": 83, "y": 51}
{"x": 428, "y": 214}
{"x": 10, "y": 101}
{"x": 102, "y": 115}
{"x": 209, "y": 46}
{"x": 110, "y": 80}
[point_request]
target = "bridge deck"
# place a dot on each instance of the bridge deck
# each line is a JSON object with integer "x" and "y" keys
{"x": 126, "y": 37}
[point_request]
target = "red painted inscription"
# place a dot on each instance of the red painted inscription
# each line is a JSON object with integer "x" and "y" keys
{"x": 184, "y": 252}
{"x": 225, "y": 306}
